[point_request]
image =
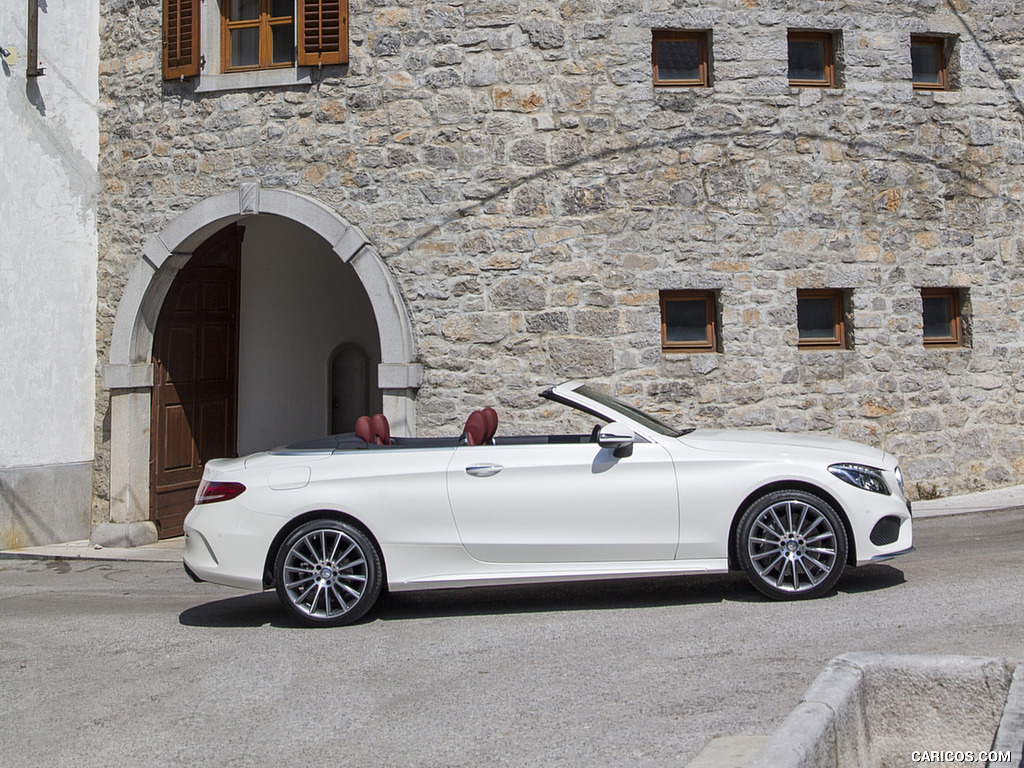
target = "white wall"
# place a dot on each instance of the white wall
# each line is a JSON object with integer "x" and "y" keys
{"x": 49, "y": 139}
{"x": 48, "y": 186}
{"x": 298, "y": 303}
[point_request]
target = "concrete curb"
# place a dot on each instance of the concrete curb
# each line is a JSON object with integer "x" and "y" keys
{"x": 1002, "y": 499}
{"x": 878, "y": 709}
{"x": 165, "y": 551}
{"x": 1010, "y": 736}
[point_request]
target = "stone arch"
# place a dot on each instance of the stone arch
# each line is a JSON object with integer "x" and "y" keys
{"x": 129, "y": 373}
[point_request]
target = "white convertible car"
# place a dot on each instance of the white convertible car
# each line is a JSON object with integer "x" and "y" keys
{"x": 332, "y": 522}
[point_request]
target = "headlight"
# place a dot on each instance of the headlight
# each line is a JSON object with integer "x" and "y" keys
{"x": 899, "y": 481}
{"x": 868, "y": 478}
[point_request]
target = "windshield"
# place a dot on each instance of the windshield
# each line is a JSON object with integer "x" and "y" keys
{"x": 634, "y": 414}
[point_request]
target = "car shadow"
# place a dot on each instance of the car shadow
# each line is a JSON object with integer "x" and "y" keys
{"x": 870, "y": 578}
{"x": 264, "y": 609}
{"x": 616, "y": 594}
{"x": 253, "y": 610}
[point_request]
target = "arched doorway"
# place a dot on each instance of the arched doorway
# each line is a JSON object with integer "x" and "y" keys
{"x": 129, "y": 376}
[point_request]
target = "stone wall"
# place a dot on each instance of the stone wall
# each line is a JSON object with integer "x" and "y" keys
{"x": 531, "y": 192}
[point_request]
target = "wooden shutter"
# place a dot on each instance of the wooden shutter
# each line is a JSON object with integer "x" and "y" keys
{"x": 323, "y": 32}
{"x": 181, "y": 39}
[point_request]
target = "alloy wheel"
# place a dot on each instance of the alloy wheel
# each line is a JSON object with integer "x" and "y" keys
{"x": 326, "y": 574}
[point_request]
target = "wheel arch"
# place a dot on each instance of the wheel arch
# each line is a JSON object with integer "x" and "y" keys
{"x": 307, "y": 517}
{"x": 791, "y": 485}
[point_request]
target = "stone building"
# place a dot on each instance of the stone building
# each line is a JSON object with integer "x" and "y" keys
{"x": 795, "y": 216}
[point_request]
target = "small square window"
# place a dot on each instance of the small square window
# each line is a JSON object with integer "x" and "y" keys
{"x": 811, "y": 59}
{"x": 820, "y": 319}
{"x": 940, "y": 311}
{"x": 688, "y": 321}
{"x": 680, "y": 58}
{"x": 928, "y": 61}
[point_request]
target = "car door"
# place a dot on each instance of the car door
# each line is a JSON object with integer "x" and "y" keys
{"x": 564, "y": 502}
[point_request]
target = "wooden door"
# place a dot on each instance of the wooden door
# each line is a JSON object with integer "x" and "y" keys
{"x": 195, "y": 362}
{"x": 350, "y": 387}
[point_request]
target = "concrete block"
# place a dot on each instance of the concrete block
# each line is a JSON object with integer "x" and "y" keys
{"x": 45, "y": 504}
{"x": 124, "y": 535}
{"x": 877, "y": 709}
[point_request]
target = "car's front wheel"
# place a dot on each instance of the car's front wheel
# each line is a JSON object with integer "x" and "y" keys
{"x": 791, "y": 545}
{"x": 328, "y": 573}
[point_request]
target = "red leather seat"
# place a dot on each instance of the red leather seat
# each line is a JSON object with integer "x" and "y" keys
{"x": 476, "y": 429}
{"x": 381, "y": 429}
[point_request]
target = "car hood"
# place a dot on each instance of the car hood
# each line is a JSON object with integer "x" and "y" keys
{"x": 782, "y": 445}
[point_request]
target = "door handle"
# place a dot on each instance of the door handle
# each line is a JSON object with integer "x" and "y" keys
{"x": 484, "y": 470}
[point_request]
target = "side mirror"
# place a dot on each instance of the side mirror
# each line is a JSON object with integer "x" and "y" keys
{"x": 617, "y": 436}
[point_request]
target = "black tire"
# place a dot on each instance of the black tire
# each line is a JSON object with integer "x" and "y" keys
{"x": 791, "y": 545}
{"x": 328, "y": 573}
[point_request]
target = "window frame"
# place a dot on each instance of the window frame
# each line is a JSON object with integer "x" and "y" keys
{"x": 265, "y": 23}
{"x": 828, "y": 38}
{"x": 838, "y": 339}
{"x": 710, "y": 341}
{"x": 956, "y": 324}
{"x": 192, "y": 42}
{"x": 943, "y": 73}
{"x": 701, "y": 36}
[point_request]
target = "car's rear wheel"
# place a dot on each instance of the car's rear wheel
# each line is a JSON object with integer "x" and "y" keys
{"x": 328, "y": 573}
{"x": 791, "y": 545}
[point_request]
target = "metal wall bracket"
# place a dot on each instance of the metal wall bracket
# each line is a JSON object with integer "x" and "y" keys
{"x": 33, "y": 69}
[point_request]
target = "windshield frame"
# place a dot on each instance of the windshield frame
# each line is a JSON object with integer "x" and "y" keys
{"x": 567, "y": 394}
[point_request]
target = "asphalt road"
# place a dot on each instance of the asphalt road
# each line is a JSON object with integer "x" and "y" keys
{"x": 131, "y": 664}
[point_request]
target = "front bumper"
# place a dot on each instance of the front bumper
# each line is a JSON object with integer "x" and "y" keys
{"x": 891, "y": 555}
{"x": 882, "y": 526}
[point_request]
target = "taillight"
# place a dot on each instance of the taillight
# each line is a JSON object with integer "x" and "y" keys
{"x": 212, "y": 490}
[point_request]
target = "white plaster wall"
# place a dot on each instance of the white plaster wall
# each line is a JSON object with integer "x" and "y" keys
{"x": 48, "y": 247}
{"x": 299, "y": 301}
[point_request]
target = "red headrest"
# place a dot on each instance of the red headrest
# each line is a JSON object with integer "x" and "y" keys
{"x": 364, "y": 429}
{"x": 382, "y": 429}
{"x": 491, "y": 419}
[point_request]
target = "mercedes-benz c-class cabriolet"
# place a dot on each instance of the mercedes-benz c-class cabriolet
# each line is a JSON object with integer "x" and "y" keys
{"x": 332, "y": 522}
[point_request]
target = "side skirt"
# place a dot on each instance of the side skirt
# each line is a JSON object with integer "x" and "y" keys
{"x": 493, "y": 575}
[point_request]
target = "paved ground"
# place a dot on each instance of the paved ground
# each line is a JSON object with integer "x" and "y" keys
{"x": 127, "y": 663}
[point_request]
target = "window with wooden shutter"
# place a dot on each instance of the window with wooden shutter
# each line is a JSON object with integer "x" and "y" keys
{"x": 181, "y": 38}
{"x": 323, "y": 32}
{"x": 257, "y": 34}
